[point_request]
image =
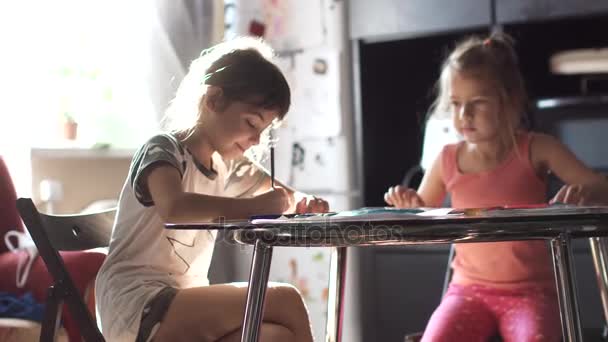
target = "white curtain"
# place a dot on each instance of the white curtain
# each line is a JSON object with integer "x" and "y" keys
{"x": 180, "y": 31}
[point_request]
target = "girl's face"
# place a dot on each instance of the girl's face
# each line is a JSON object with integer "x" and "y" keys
{"x": 236, "y": 127}
{"x": 475, "y": 108}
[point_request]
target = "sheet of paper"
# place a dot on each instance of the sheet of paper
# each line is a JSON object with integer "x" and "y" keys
{"x": 555, "y": 209}
{"x": 362, "y": 214}
{"x": 293, "y": 24}
{"x": 316, "y": 110}
{"x": 389, "y": 213}
{"x": 320, "y": 165}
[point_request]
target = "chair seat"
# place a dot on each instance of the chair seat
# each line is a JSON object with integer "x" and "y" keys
{"x": 82, "y": 265}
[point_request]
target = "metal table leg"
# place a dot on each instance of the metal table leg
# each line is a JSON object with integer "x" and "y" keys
{"x": 335, "y": 300}
{"x": 599, "y": 252}
{"x": 256, "y": 291}
{"x": 566, "y": 288}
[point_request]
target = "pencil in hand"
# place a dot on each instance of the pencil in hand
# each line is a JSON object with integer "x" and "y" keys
{"x": 271, "y": 143}
{"x": 272, "y": 165}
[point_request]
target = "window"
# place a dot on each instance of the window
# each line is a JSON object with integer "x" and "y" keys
{"x": 85, "y": 60}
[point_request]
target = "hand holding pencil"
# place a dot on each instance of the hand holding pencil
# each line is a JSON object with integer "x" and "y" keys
{"x": 303, "y": 203}
{"x": 272, "y": 142}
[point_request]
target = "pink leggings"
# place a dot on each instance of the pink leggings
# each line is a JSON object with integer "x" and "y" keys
{"x": 476, "y": 313}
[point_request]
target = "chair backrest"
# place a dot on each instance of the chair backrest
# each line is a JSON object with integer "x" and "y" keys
{"x": 80, "y": 231}
{"x": 52, "y": 233}
{"x": 580, "y": 123}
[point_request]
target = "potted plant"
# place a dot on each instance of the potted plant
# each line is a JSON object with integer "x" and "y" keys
{"x": 70, "y": 126}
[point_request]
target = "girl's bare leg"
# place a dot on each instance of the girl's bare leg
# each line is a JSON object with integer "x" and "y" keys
{"x": 215, "y": 313}
{"x": 268, "y": 332}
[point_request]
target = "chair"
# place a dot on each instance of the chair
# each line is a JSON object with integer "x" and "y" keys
{"x": 9, "y": 218}
{"x": 53, "y": 233}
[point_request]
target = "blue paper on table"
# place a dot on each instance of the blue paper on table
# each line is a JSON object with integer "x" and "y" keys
{"x": 379, "y": 210}
{"x": 287, "y": 216}
{"x": 362, "y": 214}
{"x": 531, "y": 210}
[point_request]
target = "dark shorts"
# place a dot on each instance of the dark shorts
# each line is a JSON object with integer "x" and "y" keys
{"x": 154, "y": 312}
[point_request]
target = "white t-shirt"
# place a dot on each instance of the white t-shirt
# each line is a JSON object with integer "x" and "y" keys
{"x": 144, "y": 257}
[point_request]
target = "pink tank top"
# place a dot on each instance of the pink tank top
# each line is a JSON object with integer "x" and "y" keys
{"x": 509, "y": 265}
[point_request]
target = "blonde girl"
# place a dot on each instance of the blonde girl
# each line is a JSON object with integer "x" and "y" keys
{"x": 504, "y": 288}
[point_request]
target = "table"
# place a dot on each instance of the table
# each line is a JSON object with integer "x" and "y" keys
{"x": 556, "y": 226}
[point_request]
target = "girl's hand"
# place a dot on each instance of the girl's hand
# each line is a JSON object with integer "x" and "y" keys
{"x": 402, "y": 197}
{"x": 588, "y": 194}
{"x": 310, "y": 204}
{"x": 274, "y": 201}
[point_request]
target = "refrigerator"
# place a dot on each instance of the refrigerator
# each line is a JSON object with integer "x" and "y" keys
{"x": 315, "y": 152}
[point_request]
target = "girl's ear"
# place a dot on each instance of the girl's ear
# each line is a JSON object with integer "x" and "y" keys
{"x": 214, "y": 99}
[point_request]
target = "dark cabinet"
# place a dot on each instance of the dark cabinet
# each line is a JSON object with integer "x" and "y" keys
{"x": 518, "y": 11}
{"x": 387, "y": 19}
{"x": 398, "y": 19}
{"x": 403, "y": 286}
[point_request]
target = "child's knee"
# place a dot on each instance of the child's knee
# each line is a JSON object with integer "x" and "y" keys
{"x": 285, "y": 293}
{"x": 287, "y": 305}
{"x": 529, "y": 331}
{"x": 443, "y": 335}
{"x": 275, "y": 332}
